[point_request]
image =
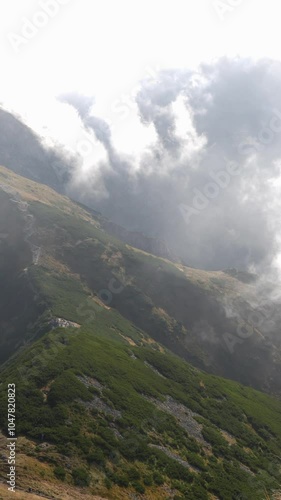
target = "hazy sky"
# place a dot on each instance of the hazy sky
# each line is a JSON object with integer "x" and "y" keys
{"x": 103, "y": 48}
{"x": 168, "y": 94}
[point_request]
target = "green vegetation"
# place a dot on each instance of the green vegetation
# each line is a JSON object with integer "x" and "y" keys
{"x": 60, "y": 473}
{"x": 80, "y": 426}
{"x": 81, "y": 477}
{"x": 119, "y": 412}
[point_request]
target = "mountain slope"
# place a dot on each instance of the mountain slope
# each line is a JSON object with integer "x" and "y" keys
{"x": 103, "y": 406}
{"x": 198, "y": 315}
{"x": 21, "y": 151}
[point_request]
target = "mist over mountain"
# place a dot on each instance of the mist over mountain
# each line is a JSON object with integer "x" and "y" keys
{"x": 116, "y": 354}
{"x": 26, "y": 153}
{"x": 208, "y": 188}
{"x": 21, "y": 150}
{"x": 140, "y": 250}
{"x": 209, "y": 185}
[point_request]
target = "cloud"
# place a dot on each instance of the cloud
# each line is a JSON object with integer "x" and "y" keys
{"x": 80, "y": 102}
{"x": 226, "y": 113}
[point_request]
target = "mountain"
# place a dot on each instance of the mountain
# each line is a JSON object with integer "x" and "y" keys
{"x": 116, "y": 353}
{"x": 208, "y": 318}
{"x": 21, "y": 150}
{"x": 154, "y": 246}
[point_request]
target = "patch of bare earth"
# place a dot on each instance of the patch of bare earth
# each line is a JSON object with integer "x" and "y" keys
{"x": 62, "y": 492}
{"x": 128, "y": 339}
{"x": 228, "y": 437}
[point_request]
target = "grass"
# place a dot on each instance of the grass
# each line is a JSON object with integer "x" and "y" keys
{"x": 127, "y": 383}
{"x": 101, "y": 433}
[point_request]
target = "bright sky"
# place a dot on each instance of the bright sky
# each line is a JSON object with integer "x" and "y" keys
{"x": 103, "y": 47}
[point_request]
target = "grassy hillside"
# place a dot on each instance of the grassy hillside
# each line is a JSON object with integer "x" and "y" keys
{"x": 103, "y": 405}
{"x": 105, "y": 408}
{"x": 199, "y": 315}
